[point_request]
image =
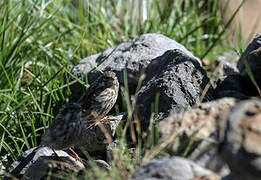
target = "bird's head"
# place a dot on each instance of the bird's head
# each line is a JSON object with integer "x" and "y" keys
{"x": 110, "y": 79}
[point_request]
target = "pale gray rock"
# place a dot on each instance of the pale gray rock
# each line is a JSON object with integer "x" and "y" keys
{"x": 206, "y": 155}
{"x": 229, "y": 69}
{"x": 33, "y": 158}
{"x": 174, "y": 168}
{"x": 51, "y": 167}
{"x": 134, "y": 56}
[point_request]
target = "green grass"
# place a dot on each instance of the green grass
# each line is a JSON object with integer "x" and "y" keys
{"x": 41, "y": 40}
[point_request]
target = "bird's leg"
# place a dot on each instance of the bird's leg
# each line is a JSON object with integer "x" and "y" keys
{"x": 106, "y": 119}
{"x": 75, "y": 156}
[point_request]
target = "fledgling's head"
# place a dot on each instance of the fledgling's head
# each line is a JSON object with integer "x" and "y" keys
{"x": 65, "y": 128}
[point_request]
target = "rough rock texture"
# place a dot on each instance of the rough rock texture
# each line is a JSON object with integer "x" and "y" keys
{"x": 224, "y": 65}
{"x": 241, "y": 146}
{"x": 43, "y": 162}
{"x": 177, "y": 79}
{"x": 200, "y": 123}
{"x": 252, "y": 47}
{"x": 35, "y": 158}
{"x": 175, "y": 168}
{"x": 230, "y": 86}
{"x": 206, "y": 155}
{"x": 134, "y": 56}
{"x": 202, "y": 118}
{"x": 252, "y": 55}
{"x": 239, "y": 84}
{"x": 50, "y": 167}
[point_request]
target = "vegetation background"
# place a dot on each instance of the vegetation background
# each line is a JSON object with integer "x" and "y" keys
{"x": 40, "y": 40}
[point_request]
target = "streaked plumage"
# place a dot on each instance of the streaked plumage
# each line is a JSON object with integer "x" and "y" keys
{"x": 71, "y": 124}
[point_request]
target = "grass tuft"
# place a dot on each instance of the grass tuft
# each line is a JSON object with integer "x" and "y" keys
{"x": 41, "y": 40}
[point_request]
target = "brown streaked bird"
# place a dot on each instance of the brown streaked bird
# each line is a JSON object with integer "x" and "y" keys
{"x": 70, "y": 127}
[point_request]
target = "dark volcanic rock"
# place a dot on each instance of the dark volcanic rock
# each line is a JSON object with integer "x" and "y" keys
{"x": 254, "y": 61}
{"x": 239, "y": 84}
{"x": 177, "y": 79}
{"x": 253, "y": 47}
{"x": 241, "y": 146}
{"x": 134, "y": 56}
{"x": 175, "y": 168}
{"x": 251, "y": 56}
{"x": 230, "y": 86}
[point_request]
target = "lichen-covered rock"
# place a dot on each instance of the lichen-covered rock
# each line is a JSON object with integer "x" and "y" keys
{"x": 200, "y": 124}
{"x": 201, "y": 118}
{"x": 241, "y": 140}
{"x": 177, "y": 79}
{"x": 174, "y": 168}
{"x": 134, "y": 56}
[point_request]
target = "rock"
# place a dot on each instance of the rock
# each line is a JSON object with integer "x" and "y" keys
{"x": 241, "y": 140}
{"x": 134, "y": 56}
{"x": 50, "y": 167}
{"x": 177, "y": 79}
{"x": 224, "y": 65}
{"x": 197, "y": 129}
{"x": 175, "y": 168}
{"x": 35, "y": 159}
{"x": 239, "y": 84}
{"x": 43, "y": 162}
{"x": 252, "y": 47}
{"x": 206, "y": 155}
{"x": 201, "y": 118}
{"x": 252, "y": 56}
{"x": 229, "y": 69}
{"x": 230, "y": 86}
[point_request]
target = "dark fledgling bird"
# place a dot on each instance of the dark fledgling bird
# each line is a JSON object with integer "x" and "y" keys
{"x": 70, "y": 127}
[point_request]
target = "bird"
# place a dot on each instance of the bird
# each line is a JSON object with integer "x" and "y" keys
{"x": 73, "y": 123}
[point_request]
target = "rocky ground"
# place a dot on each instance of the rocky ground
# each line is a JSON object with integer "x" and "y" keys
{"x": 223, "y": 118}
